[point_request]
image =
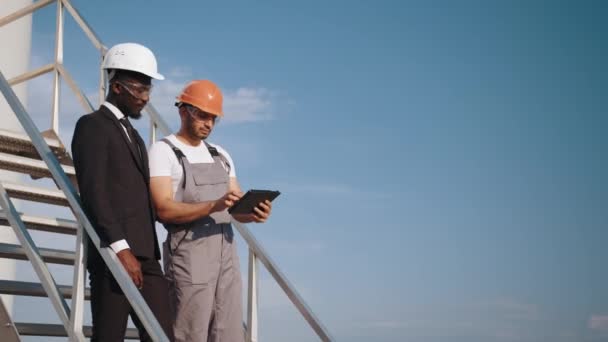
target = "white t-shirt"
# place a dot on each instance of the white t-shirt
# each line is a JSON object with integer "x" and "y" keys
{"x": 164, "y": 162}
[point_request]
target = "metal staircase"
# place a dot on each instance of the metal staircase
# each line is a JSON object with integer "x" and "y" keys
{"x": 43, "y": 155}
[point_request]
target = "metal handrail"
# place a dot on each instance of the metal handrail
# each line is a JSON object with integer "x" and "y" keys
{"x": 63, "y": 182}
{"x": 158, "y": 123}
{"x": 24, "y": 11}
{"x": 32, "y": 74}
{"x": 283, "y": 282}
{"x": 84, "y": 26}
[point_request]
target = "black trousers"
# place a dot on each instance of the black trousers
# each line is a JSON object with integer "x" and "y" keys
{"x": 111, "y": 309}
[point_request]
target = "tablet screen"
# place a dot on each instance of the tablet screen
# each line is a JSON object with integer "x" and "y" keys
{"x": 251, "y": 199}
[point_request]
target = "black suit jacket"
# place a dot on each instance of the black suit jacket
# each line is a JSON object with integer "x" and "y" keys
{"x": 114, "y": 184}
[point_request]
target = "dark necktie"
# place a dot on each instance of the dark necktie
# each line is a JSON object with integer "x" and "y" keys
{"x": 132, "y": 133}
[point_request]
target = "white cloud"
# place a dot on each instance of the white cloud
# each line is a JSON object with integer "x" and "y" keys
{"x": 598, "y": 322}
{"x": 248, "y": 105}
{"x": 179, "y": 73}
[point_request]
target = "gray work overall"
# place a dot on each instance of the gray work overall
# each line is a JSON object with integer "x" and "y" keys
{"x": 201, "y": 261}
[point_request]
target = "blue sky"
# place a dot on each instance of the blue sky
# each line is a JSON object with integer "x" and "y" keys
{"x": 443, "y": 164}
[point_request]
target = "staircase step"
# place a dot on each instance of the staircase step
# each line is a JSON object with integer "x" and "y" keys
{"x": 24, "y": 288}
{"x": 53, "y": 256}
{"x": 36, "y": 194}
{"x": 33, "y": 167}
{"x": 45, "y": 224}
{"x": 18, "y": 143}
{"x": 57, "y": 330}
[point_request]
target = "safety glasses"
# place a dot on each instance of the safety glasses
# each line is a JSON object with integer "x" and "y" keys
{"x": 200, "y": 115}
{"x": 138, "y": 91}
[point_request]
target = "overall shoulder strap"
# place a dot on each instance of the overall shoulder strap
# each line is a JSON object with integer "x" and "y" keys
{"x": 215, "y": 153}
{"x": 180, "y": 156}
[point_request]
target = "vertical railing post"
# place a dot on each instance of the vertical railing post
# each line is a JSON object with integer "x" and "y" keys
{"x": 58, "y": 61}
{"x": 252, "y": 298}
{"x": 152, "y": 132}
{"x": 102, "y": 81}
{"x": 78, "y": 283}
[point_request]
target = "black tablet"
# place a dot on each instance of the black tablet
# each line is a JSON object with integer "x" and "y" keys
{"x": 251, "y": 199}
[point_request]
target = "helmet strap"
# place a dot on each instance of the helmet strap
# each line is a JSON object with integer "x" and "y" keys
{"x": 111, "y": 74}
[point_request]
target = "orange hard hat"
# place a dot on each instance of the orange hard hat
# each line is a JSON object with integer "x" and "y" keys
{"x": 204, "y": 95}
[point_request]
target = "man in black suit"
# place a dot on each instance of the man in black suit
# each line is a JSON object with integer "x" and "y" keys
{"x": 113, "y": 178}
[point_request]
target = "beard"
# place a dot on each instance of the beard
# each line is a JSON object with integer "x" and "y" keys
{"x": 135, "y": 116}
{"x": 195, "y": 131}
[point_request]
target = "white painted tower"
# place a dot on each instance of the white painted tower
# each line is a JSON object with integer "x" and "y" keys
{"x": 15, "y": 42}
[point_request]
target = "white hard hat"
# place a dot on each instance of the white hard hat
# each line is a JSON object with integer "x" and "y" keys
{"x": 132, "y": 57}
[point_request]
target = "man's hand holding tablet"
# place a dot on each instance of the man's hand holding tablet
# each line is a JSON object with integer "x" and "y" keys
{"x": 254, "y": 206}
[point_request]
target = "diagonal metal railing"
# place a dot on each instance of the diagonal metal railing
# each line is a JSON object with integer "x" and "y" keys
{"x": 157, "y": 125}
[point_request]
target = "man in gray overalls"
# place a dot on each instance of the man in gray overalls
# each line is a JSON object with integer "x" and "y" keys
{"x": 193, "y": 183}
